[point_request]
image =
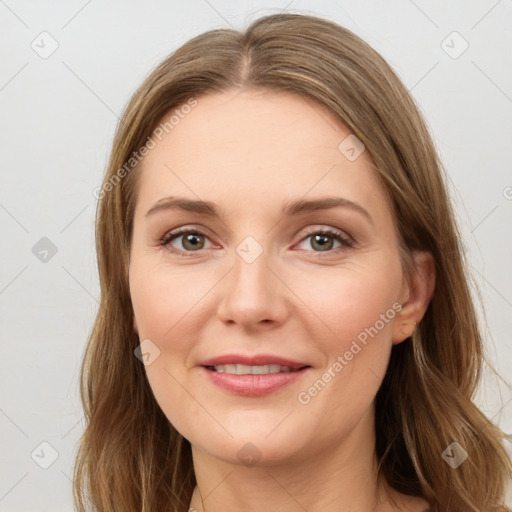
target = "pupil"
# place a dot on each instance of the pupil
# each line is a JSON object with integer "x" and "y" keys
{"x": 189, "y": 239}
{"x": 323, "y": 245}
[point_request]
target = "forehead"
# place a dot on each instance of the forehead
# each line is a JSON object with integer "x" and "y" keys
{"x": 261, "y": 124}
{"x": 251, "y": 148}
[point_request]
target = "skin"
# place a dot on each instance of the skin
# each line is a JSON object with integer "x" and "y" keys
{"x": 250, "y": 152}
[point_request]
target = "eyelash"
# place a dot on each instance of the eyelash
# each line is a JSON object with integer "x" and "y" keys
{"x": 346, "y": 242}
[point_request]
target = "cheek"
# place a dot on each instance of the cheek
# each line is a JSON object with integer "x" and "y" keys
{"x": 164, "y": 298}
{"x": 165, "y": 301}
{"x": 354, "y": 302}
{"x": 359, "y": 306}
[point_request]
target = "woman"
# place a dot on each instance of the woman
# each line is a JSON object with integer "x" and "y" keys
{"x": 285, "y": 317}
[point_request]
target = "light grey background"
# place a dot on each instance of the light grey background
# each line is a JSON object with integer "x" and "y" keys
{"x": 58, "y": 116}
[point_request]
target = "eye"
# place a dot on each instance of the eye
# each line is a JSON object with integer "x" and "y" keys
{"x": 192, "y": 240}
{"x": 319, "y": 239}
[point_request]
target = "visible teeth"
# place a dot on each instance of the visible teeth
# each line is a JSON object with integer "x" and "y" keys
{"x": 243, "y": 369}
{"x": 259, "y": 370}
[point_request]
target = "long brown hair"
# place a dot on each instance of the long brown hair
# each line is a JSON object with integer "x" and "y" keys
{"x": 130, "y": 458}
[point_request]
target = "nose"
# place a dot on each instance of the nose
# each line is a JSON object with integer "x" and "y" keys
{"x": 253, "y": 293}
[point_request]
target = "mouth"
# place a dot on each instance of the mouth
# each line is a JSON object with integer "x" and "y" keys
{"x": 243, "y": 369}
{"x": 252, "y": 376}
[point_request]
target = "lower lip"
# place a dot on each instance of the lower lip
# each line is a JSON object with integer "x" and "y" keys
{"x": 253, "y": 385}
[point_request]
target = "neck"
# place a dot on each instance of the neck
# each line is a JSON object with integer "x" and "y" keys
{"x": 338, "y": 476}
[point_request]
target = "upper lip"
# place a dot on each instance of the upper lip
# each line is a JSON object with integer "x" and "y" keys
{"x": 256, "y": 360}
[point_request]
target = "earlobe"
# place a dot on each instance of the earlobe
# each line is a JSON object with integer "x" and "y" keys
{"x": 417, "y": 293}
{"x": 406, "y": 330}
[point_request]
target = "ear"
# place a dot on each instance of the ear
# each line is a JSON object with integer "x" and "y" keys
{"x": 416, "y": 293}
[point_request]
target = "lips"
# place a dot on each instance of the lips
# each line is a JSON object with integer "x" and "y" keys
{"x": 252, "y": 376}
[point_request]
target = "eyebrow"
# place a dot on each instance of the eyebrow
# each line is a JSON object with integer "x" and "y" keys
{"x": 289, "y": 209}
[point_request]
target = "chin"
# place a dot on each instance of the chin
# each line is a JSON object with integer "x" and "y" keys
{"x": 252, "y": 452}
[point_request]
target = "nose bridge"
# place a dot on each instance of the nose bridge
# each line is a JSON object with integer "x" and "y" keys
{"x": 252, "y": 290}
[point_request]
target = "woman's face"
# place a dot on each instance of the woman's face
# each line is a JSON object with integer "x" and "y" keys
{"x": 260, "y": 284}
